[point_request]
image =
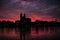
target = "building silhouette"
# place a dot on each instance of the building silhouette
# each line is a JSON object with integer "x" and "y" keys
{"x": 24, "y": 26}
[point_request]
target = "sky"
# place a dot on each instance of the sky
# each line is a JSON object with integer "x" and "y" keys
{"x": 46, "y": 10}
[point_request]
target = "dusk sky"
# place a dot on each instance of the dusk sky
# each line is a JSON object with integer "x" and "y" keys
{"x": 46, "y": 10}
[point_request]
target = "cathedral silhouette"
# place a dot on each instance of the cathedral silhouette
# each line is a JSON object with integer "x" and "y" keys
{"x": 24, "y": 20}
{"x": 24, "y": 26}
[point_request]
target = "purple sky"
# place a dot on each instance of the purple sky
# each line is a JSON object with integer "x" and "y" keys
{"x": 35, "y": 9}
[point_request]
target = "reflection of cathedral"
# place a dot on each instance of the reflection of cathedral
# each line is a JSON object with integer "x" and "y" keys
{"x": 23, "y": 19}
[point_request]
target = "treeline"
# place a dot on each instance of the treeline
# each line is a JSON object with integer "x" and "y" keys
{"x": 37, "y": 24}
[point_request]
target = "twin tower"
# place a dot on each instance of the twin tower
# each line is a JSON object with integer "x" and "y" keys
{"x": 22, "y": 16}
{"x": 24, "y": 19}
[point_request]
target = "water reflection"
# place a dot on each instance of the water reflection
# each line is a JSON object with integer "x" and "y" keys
{"x": 14, "y": 33}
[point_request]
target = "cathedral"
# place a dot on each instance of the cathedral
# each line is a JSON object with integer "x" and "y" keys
{"x": 24, "y": 26}
{"x": 23, "y": 19}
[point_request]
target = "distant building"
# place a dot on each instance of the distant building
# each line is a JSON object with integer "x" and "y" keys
{"x": 23, "y": 19}
{"x": 24, "y": 26}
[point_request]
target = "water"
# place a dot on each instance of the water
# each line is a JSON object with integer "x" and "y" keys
{"x": 15, "y": 34}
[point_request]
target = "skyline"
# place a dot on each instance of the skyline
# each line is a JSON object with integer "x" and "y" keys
{"x": 46, "y": 10}
{"x": 34, "y": 20}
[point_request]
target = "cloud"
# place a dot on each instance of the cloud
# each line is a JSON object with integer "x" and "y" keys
{"x": 37, "y": 7}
